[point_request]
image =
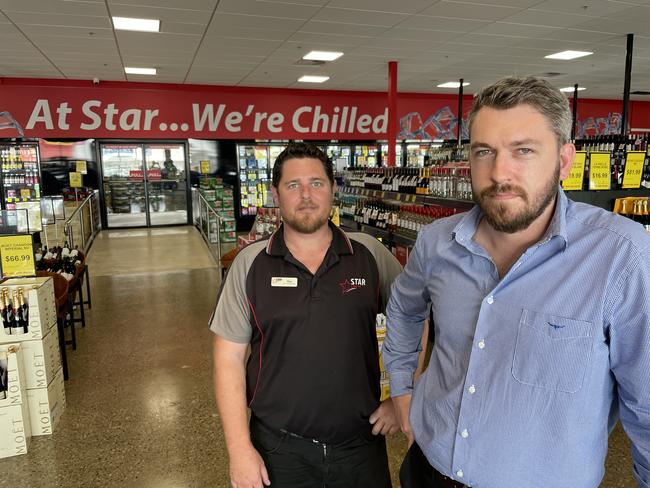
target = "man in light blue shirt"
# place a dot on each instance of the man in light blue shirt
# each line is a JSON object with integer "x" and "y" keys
{"x": 541, "y": 309}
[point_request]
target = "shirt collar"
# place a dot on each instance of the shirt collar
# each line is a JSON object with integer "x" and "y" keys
{"x": 466, "y": 228}
{"x": 340, "y": 242}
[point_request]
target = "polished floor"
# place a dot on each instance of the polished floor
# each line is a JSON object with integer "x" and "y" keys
{"x": 140, "y": 411}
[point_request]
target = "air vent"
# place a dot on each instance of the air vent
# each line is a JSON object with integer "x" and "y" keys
{"x": 308, "y": 62}
{"x": 640, "y": 92}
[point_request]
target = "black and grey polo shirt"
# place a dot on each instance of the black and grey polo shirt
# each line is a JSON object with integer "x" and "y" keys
{"x": 313, "y": 368}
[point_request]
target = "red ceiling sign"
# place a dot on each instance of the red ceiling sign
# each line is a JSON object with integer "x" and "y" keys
{"x": 79, "y": 109}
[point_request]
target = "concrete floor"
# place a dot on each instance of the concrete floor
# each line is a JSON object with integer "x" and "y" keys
{"x": 140, "y": 411}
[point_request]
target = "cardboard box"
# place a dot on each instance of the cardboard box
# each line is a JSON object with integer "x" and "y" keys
{"x": 41, "y": 360}
{"x": 39, "y": 294}
{"x": 15, "y": 425}
{"x": 46, "y": 405}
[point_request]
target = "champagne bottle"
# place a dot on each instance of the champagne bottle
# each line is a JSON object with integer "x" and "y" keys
{"x": 4, "y": 308}
{"x": 24, "y": 310}
{"x": 16, "y": 323}
{"x": 4, "y": 377}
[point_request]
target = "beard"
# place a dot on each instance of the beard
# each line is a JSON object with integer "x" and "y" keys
{"x": 307, "y": 223}
{"x": 504, "y": 219}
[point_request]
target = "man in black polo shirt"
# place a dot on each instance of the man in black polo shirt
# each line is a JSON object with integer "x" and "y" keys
{"x": 305, "y": 301}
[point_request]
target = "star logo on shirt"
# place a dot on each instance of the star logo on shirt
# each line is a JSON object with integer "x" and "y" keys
{"x": 349, "y": 285}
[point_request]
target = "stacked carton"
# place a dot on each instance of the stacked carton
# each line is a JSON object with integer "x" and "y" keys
{"x": 220, "y": 197}
{"x": 41, "y": 356}
{"x": 15, "y": 425}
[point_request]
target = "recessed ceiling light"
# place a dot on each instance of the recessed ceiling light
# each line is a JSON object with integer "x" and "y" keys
{"x": 452, "y": 84}
{"x": 568, "y": 55}
{"x": 571, "y": 89}
{"x": 130, "y": 24}
{"x": 140, "y": 71}
{"x": 313, "y": 79}
{"x": 322, "y": 56}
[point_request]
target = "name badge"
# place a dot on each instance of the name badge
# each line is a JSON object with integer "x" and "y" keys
{"x": 284, "y": 282}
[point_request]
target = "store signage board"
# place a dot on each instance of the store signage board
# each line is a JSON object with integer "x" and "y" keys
{"x": 576, "y": 176}
{"x": 82, "y": 167}
{"x": 75, "y": 180}
{"x": 205, "y": 167}
{"x": 17, "y": 256}
{"x": 633, "y": 169}
{"x": 599, "y": 171}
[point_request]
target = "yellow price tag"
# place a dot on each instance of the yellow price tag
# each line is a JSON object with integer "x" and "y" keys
{"x": 17, "y": 254}
{"x": 25, "y": 193}
{"x": 633, "y": 169}
{"x": 577, "y": 174}
{"x": 599, "y": 171}
{"x": 205, "y": 167}
{"x": 399, "y": 197}
{"x": 82, "y": 167}
{"x": 75, "y": 180}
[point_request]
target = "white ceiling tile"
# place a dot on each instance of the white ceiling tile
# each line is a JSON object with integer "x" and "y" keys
{"x": 399, "y": 33}
{"x": 543, "y": 18}
{"x": 447, "y": 24}
{"x": 613, "y": 26}
{"x": 61, "y": 7}
{"x": 466, "y": 10}
{"x": 163, "y": 14}
{"x": 255, "y": 7}
{"x": 142, "y": 42}
{"x": 320, "y": 39}
{"x": 253, "y": 47}
{"x": 205, "y": 5}
{"x": 501, "y": 3}
{"x": 517, "y": 30}
{"x": 334, "y": 28}
{"x": 65, "y": 31}
{"x": 85, "y": 22}
{"x": 248, "y": 23}
{"x": 402, "y": 6}
{"x": 361, "y": 17}
{"x": 595, "y": 8}
{"x": 236, "y": 32}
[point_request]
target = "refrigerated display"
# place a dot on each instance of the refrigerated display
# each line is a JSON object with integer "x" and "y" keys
{"x": 340, "y": 155}
{"x": 398, "y": 154}
{"x": 366, "y": 156}
{"x": 255, "y": 173}
{"x": 144, "y": 184}
{"x": 21, "y": 180}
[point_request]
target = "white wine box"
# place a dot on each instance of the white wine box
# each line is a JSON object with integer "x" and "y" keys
{"x": 46, "y": 405}
{"x": 39, "y": 295}
{"x": 15, "y": 425}
{"x": 41, "y": 360}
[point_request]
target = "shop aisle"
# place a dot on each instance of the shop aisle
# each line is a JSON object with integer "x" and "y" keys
{"x": 140, "y": 411}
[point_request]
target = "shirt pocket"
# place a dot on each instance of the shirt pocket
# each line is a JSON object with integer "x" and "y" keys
{"x": 552, "y": 352}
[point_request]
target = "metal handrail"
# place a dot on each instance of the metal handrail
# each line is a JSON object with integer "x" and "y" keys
{"x": 198, "y": 219}
{"x": 78, "y": 213}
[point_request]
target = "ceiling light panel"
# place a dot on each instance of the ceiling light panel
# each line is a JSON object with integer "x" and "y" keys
{"x": 567, "y": 55}
{"x": 140, "y": 71}
{"x": 313, "y": 79}
{"x": 141, "y": 25}
{"x": 322, "y": 55}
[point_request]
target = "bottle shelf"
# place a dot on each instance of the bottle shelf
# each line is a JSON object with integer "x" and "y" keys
{"x": 406, "y": 197}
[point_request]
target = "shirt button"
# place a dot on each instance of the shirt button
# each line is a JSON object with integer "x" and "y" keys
{"x": 464, "y": 434}
{"x": 472, "y": 389}
{"x": 481, "y": 344}
{"x": 460, "y": 473}
{"x": 490, "y": 300}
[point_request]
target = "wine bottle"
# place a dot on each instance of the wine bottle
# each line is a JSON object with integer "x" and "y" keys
{"x": 16, "y": 323}
{"x": 24, "y": 310}
{"x": 4, "y": 377}
{"x": 4, "y": 308}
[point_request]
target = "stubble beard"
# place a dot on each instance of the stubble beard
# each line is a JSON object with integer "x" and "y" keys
{"x": 499, "y": 215}
{"x": 307, "y": 223}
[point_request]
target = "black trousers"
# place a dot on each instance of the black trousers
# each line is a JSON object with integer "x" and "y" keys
{"x": 416, "y": 472}
{"x": 296, "y": 462}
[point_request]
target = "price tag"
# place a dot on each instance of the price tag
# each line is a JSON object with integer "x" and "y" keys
{"x": 383, "y": 194}
{"x": 205, "y": 167}
{"x": 82, "y": 167}
{"x": 576, "y": 176}
{"x": 335, "y": 216}
{"x": 17, "y": 256}
{"x": 633, "y": 169}
{"x": 599, "y": 171}
{"x": 75, "y": 180}
{"x": 399, "y": 197}
{"x": 25, "y": 193}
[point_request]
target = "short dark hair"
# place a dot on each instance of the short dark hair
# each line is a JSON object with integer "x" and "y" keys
{"x": 297, "y": 150}
{"x": 536, "y": 92}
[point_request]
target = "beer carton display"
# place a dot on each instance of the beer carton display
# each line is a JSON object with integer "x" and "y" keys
{"x": 41, "y": 305}
{"x": 41, "y": 360}
{"x": 46, "y": 405}
{"x": 15, "y": 425}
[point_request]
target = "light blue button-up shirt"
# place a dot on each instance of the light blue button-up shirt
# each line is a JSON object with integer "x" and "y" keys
{"x": 529, "y": 372}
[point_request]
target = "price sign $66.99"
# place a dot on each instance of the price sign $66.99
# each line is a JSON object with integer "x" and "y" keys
{"x": 17, "y": 256}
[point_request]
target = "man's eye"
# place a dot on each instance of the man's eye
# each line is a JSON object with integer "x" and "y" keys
{"x": 292, "y": 186}
{"x": 525, "y": 150}
{"x": 317, "y": 184}
{"x": 481, "y": 153}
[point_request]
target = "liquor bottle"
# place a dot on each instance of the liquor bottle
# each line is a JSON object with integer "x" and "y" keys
{"x": 4, "y": 376}
{"x": 24, "y": 311}
{"x": 4, "y": 308}
{"x": 16, "y": 323}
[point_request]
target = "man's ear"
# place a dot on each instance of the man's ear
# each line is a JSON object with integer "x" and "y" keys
{"x": 567, "y": 155}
